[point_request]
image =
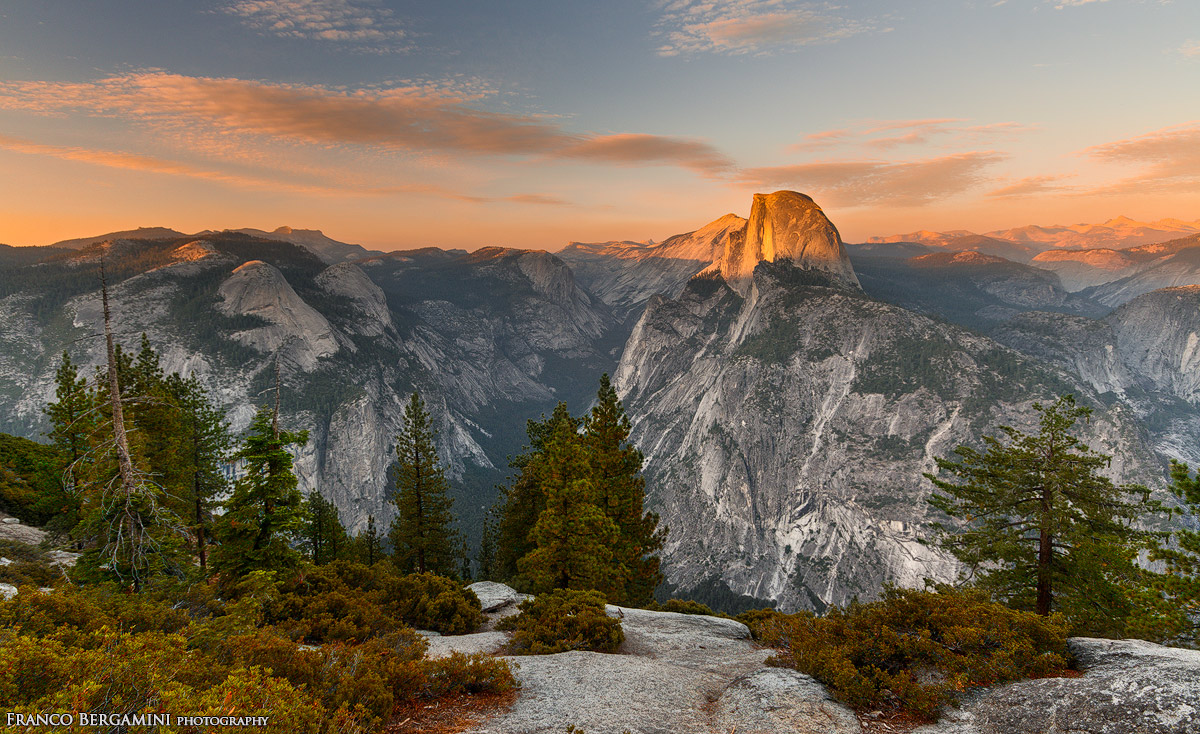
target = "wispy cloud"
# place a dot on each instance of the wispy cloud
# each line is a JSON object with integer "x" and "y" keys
{"x": 884, "y": 183}
{"x": 889, "y": 134}
{"x": 1075, "y": 3}
{"x": 154, "y": 164}
{"x": 151, "y": 164}
{"x": 750, "y": 26}
{"x": 634, "y": 148}
{"x": 1191, "y": 49}
{"x": 417, "y": 118}
{"x": 1169, "y": 160}
{"x": 364, "y": 24}
{"x": 1030, "y": 186}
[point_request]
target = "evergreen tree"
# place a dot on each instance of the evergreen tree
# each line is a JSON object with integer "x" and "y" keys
{"x": 135, "y": 534}
{"x": 266, "y": 510}
{"x": 1181, "y": 583}
{"x": 573, "y": 537}
{"x": 324, "y": 534}
{"x": 422, "y": 536}
{"x": 523, "y": 501}
{"x": 485, "y": 559}
{"x": 206, "y": 443}
{"x": 368, "y": 546}
{"x": 1042, "y": 529}
{"x": 620, "y": 488}
{"x": 73, "y": 418}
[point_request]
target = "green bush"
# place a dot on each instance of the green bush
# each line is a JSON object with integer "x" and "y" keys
{"x": 351, "y": 602}
{"x": 767, "y": 626}
{"x": 431, "y": 602}
{"x": 466, "y": 674}
{"x": 914, "y": 651}
{"x": 29, "y": 573}
{"x": 565, "y": 620}
{"x": 687, "y": 606}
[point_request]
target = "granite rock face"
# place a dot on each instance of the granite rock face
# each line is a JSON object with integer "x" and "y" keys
{"x": 786, "y": 432}
{"x": 781, "y": 700}
{"x": 1128, "y": 687}
{"x": 493, "y": 596}
{"x": 298, "y": 330}
{"x": 626, "y": 274}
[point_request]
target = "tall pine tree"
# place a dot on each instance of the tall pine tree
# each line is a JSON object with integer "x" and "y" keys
{"x": 206, "y": 443}
{"x": 324, "y": 533}
{"x": 523, "y": 501}
{"x": 422, "y": 535}
{"x": 573, "y": 536}
{"x": 621, "y": 494}
{"x": 1181, "y": 583}
{"x": 1041, "y": 528}
{"x": 73, "y": 419}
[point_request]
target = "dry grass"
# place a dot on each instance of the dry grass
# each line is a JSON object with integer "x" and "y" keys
{"x": 450, "y": 714}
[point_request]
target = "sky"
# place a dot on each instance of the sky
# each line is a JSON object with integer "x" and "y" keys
{"x": 471, "y": 123}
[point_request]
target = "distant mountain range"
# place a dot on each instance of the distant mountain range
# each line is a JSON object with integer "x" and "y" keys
{"x": 788, "y": 390}
{"x": 1022, "y": 243}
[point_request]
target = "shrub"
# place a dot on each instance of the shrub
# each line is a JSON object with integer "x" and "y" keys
{"x": 350, "y": 602}
{"x": 914, "y": 650}
{"x": 460, "y": 673}
{"x": 428, "y": 601}
{"x": 688, "y": 606}
{"x": 101, "y": 650}
{"x": 565, "y": 620}
{"x": 29, "y": 573}
{"x": 767, "y": 626}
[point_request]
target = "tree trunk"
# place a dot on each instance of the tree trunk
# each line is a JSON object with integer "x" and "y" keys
{"x": 124, "y": 462}
{"x": 1045, "y": 556}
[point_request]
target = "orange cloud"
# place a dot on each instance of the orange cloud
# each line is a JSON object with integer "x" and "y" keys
{"x": 1169, "y": 159}
{"x": 629, "y": 148}
{"x": 1030, "y": 186}
{"x": 887, "y": 183}
{"x": 150, "y": 164}
{"x": 414, "y": 118}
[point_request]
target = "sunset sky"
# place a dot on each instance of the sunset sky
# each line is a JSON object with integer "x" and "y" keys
{"x": 533, "y": 123}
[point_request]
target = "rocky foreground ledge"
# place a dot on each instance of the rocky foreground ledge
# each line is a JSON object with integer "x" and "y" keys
{"x": 694, "y": 674}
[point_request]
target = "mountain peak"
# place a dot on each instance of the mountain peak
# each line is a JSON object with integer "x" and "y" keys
{"x": 785, "y": 225}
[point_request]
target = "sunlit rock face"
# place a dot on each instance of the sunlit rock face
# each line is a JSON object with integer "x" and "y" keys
{"x": 785, "y": 226}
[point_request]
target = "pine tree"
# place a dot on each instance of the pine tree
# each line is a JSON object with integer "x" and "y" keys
{"x": 1181, "y": 583}
{"x": 206, "y": 443}
{"x": 572, "y": 535}
{"x": 616, "y": 469}
{"x": 423, "y": 539}
{"x": 136, "y": 535}
{"x": 324, "y": 533}
{"x": 368, "y": 546}
{"x": 1041, "y": 528}
{"x": 73, "y": 417}
{"x": 485, "y": 559}
{"x": 266, "y": 510}
{"x": 524, "y": 500}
